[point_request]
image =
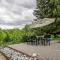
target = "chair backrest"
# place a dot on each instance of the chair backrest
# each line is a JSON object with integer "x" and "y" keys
{"x": 39, "y": 37}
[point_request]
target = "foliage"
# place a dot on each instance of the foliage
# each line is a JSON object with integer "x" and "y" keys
{"x": 48, "y": 9}
{"x": 13, "y": 36}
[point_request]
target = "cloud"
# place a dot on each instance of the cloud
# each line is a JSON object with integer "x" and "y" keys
{"x": 16, "y": 12}
{"x": 11, "y": 27}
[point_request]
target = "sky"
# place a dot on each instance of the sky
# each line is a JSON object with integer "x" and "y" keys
{"x": 16, "y": 13}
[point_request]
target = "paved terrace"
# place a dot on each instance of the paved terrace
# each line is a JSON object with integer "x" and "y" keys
{"x": 2, "y": 57}
{"x": 46, "y": 52}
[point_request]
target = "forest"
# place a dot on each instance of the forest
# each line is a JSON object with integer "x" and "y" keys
{"x": 13, "y": 36}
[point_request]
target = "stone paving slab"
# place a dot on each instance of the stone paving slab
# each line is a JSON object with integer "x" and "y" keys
{"x": 46, "y": 52}
{"x": 2, "y": 57}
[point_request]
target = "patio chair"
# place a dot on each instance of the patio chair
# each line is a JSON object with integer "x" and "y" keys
{"x": 28, "y": 40}
{"x": 34, "y": 40}
{"x": 38, "y": 40}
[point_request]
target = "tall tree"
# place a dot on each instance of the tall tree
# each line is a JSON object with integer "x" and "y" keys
{"x": 47, "y": 8}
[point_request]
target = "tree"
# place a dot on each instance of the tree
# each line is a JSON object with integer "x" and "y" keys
{"x": 49, "y": 9}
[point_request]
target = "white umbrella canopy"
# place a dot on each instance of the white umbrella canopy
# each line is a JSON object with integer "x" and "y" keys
{"x": 42, "y": 22}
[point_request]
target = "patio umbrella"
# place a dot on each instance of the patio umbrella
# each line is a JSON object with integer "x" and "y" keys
{"x": 42, "y": 22}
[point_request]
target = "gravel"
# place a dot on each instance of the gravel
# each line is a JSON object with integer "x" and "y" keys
{"x": 15, "y": 55}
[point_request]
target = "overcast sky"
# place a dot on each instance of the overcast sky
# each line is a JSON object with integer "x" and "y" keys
{"x": 16, "y": 13}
